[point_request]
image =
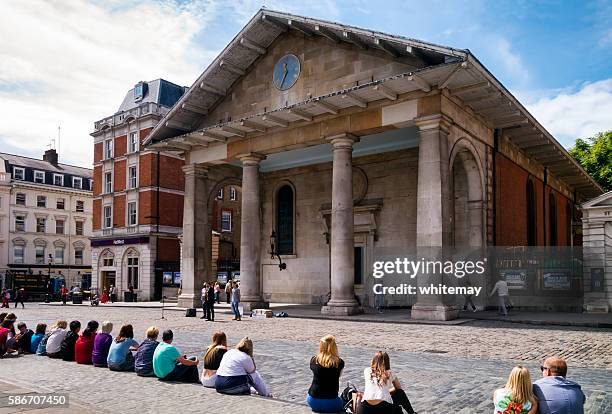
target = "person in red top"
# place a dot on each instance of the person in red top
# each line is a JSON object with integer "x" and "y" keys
{"x": 85, "y": 343}
{"x": 64, "y": 293}
{"x": 5, "y": 329}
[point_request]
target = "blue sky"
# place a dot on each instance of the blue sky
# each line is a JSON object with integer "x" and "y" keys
{"x": 75, "y": 60}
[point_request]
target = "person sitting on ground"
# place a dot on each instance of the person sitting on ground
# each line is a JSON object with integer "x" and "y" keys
{"x": 54, "y": 343}
{"x": 212, "y": 359}
{"x": 169, "y": 365}
{"x": 326, "y": 369}
{"x": 120, "y": 357}
{"x": 84, "y": 345}
{"x": 237, "y": 373}
{"x": 11, "y": 341}
{"x": 24, "y": 338}
{"x": 2, "y": 316}
{"x": 102, "y": 344}
{"x": 517, "y": 394}
{"x": 555, "y": 393}
{"x": 383, "y": 392}
{"x": 39, "y": 334}
{"x": 144, "y": 356}
{"x": 5, "y": 328}
{"x": 68, "y": 344}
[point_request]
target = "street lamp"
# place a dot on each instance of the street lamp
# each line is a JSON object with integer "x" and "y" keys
{"x": 274, "y": 252}
{"x": 49, "y": 285}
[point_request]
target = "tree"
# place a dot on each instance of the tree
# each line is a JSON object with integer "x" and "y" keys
{"x": 595, "y": 156}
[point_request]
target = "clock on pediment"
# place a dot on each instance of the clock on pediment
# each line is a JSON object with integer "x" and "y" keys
{"x": 286, "y": 72}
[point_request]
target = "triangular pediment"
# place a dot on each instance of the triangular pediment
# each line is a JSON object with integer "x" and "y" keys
{"x": 604, "y": 200}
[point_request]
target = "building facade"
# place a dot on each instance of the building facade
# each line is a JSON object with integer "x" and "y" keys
{"x": 138, "y": 197}
{"x": 351, "y": 146}
{"x": 226, "y": 233}
{"x": 45, "y": 223}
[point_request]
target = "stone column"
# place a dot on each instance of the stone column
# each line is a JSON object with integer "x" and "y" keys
{"x": 196, "y": 236}
{"x": 342, "y": 258}
{"x": 433, "y": 212}
{"x": 251, "y": 234}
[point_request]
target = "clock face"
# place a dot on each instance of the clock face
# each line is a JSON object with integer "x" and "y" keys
{"x": 286, "y": 72}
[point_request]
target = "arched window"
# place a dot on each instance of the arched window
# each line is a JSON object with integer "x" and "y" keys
{"x": 284, "y": 220}
{"x": 552, "y": 218}
{"x": 132, "y": 269}
{"x": 532, "y": 238}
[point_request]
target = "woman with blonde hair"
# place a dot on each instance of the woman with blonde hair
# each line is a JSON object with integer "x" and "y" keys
{"x": 58, "y": 332}
{"x": 237, "y": 373}
{"x": 517, "y": 396}
{"x": 326, "y": 369}
{"x": 383, "y": 392}
{"x": 212, "y": 359}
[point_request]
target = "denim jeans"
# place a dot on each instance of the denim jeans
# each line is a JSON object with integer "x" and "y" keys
{"x": 235, "y": 309}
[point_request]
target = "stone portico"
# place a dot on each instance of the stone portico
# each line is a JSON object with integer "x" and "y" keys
{"x": 383, "y": 145}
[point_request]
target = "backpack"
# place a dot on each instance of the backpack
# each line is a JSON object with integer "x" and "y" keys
{"x": 347, "y": 397}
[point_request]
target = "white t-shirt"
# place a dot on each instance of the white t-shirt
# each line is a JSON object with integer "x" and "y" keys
{"x": 502, "y": 288}
{"x": 374, "y": 391}
{"x": 235, "y": 363}
{"x": 55, "y": 340}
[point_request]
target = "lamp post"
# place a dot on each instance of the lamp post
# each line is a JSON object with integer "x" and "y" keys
{"x": 49, "y": 285}
{"x": 274, "y": 252}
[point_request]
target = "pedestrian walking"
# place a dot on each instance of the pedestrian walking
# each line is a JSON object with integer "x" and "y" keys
{"x": 217, "y": 292}
{"x": 228, "y": 291}
{"x": 64, "y": 294}
{"x": 204, "y": 300}
{"x": 210, "y": 303}
{"x": 236, "y": 301}
{"x": 501, "y": 287}
{"x": 113, "y": 294}
{"x": 6, "y": 296}
{"x": 20, "y": 297}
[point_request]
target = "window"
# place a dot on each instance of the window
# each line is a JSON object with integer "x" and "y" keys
{"x": 358, "y": 268}
{"x": 108, "y": 182}
{"x": 39, "y": 177}
{"x": 41, "y": 201}
{"x": 41, "y": 224}
{"x": 132, "y": 177}
{"x": 108, "y": 261}
{"x": 18, "y": 173}
{"x": 108, "y": 217}
{"x": 284, "y": 220}
{"x": 58, "y": 179}
{"x": 226, "y": 220}
{"x": 220, "y": 194}
{"x": 531, "y": 215}
{"x": 552, "y": 219}
{"x": 80, "y": 206}
{"x": 78, "y": 256}
{"x": 132, "y": 213}
{"x": 132, "y": 268}
{"x": 59, "y": 226}
{"x": 233, "y": 194}
{"x": 133, "y": 142}
{"x": 59, "y": 255}
{"x": 40, "y": 254}
{"x": 108, "y": 149}
{"x": 61, "y": 203}
{"x": 19, "y": 223}
{"x": 18, "y": 253}
{"x": 20, "y": 199}
{"x": 78, "y": 228}
{"x": 77, "y": 182}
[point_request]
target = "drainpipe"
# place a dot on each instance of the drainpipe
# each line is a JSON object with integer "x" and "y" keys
{"x": 544, "y": 203}
{"x": 157, "y": 226}
{"x": 496, "y": 133}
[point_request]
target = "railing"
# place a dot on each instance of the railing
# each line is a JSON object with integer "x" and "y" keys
{"x": 144, "y": 109}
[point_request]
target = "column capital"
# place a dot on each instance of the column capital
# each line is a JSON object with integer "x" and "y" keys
{"x": 251, "y": 158}
{"x": 342, "y": 141}
{"x": 195, "y": 169}
{"x": 433, "y": 122}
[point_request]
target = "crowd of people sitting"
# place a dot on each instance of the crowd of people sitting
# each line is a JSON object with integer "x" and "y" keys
{"x": 233, "y": 371}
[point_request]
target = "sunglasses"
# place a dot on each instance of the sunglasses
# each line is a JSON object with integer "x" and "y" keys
{"x": 543, "y": 368}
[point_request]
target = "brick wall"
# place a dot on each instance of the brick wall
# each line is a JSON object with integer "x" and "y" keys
{"x": 98, "y": 150}
{"x": 146, "y": 207}
{"x": 97, "y": 215}
{"x": 119, "y": 211}
{"x": 97, "y": 180}
{"x": 119, "y": 176}
{"x": 169, "y": 250}
{"x": 120, "y": 145}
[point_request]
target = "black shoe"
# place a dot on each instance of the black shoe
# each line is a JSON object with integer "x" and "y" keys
{"x": 202, "y": 317}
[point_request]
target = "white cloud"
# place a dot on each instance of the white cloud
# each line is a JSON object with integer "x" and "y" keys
{"x": 507, "y": 59}
{"x": 71, "y": 63}
{"x": 576, "y": 113}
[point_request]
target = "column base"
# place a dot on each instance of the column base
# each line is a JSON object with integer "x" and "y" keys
{"x": 434, "y": 312}
{"x": 189, "y": 301}
{"x": 248, "y": 306}
{"x": 341, "y": 308}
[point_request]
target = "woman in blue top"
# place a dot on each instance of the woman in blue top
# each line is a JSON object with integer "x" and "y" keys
{"x": 120, "y": 356}
{"x": 41, "y": 328}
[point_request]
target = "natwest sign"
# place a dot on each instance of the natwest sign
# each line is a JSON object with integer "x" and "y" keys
{"x": 119, "y": 242}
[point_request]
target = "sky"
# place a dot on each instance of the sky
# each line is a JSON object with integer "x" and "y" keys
{"x": 70, "y": 63}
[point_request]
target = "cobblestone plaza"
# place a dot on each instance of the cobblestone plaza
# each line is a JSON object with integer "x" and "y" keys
{"x": 443, "y": 368}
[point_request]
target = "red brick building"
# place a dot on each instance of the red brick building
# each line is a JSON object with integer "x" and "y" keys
{"x": 138, "y": 198}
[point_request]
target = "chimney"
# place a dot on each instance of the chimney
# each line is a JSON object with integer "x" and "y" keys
{"x": 50, "y": 156}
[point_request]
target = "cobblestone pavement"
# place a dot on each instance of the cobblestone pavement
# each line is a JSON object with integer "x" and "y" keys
{"x": 443, "y": 368}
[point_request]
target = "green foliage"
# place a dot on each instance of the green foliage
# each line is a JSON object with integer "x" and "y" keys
{"x": 595, "y": 156}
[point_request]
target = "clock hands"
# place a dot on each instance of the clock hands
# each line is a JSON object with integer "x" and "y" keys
{"x": 284, "y": 75}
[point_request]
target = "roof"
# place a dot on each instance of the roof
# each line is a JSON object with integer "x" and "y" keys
{"x": 445, "y": 67}
{"x": 604, "y": 200}
{"x": 158, "y": 91}
{"x": 36, "y": 164}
